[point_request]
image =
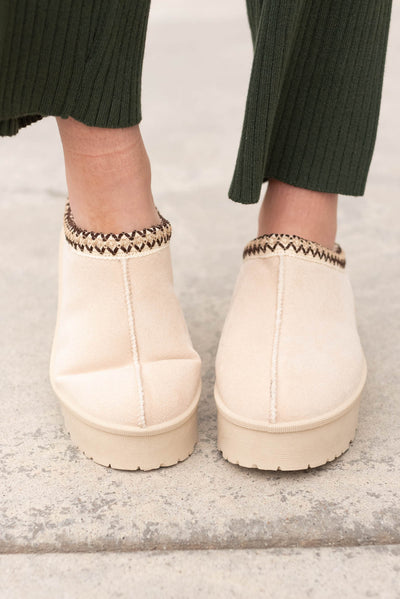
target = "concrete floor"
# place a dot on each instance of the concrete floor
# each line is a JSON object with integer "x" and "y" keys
{"x": 70, "y": 528}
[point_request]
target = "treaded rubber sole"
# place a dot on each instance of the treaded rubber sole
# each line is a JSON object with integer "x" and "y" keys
{"x": 294, "y": 450}
{"x": 130, "y": 451}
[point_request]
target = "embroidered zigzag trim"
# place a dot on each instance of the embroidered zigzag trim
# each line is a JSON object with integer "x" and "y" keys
{"x": 292, "y": 243}
{"x": 113, "y": 244}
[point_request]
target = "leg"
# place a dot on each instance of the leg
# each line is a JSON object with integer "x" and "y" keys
{"x": 108, "y": 176}
{"x": 122, "y": 362}
{"x": 312, "y": 110}
{"x": 290, "y": 367}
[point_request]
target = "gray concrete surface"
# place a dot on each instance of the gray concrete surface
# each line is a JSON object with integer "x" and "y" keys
{"x": 286, "y": 573}
{"x": 52, "y": 499}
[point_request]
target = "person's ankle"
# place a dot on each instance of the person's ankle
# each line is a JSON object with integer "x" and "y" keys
{"x": 115, "y": 196}
{"x": 297, "y": 211}
{"x": 108, "y": 177}
{"x": 117, "y": 216}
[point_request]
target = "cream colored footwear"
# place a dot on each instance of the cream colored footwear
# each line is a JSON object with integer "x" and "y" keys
{"x": 290, "y": 367}
{"x": 122, "y": 361}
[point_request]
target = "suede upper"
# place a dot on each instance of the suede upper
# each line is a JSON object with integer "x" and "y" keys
{"x": 289, "y": 349}
{"x": 122, "y": 353}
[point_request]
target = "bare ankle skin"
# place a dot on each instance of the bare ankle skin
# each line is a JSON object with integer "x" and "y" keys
{"x": 108, "y": 177}
{"x": 297, "y": 211}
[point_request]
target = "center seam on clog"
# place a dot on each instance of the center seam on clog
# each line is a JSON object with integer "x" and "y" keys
{"x": 275, "y": 348}
{"x": 133, "y": 341}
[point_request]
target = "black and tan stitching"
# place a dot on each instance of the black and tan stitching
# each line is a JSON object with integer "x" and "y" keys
{"x": 112, "y": 244}
{"x": 266, "y": 244}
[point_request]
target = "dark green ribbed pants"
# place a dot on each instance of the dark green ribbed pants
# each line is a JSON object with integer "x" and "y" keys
{"x": 313, "y": 99}
{"x": 80, "y": 58}
{"x": 314, "y": 95}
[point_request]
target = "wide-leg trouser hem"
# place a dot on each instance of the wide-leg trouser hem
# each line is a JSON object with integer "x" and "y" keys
{"x": 66, "y": 58}
{"x": 314, "y": 95}
{"x": 313, "y": 99}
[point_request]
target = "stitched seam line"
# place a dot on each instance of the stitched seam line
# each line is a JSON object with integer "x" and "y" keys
{"x": 134, "y": 348}
{"x": 275, "y": 347}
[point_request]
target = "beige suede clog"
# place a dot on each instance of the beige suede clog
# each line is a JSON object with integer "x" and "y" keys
{"x": 290, "y": 367}
{"x": 122, "y": 362}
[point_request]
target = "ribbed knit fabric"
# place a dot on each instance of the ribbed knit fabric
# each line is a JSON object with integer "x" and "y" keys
{"x": 314, "y": 95}
{"x": 313, "y": 99}
{"x": 79, "y": 58}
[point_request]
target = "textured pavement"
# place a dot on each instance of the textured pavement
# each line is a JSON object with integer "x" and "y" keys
{"x": 204, "y": 527}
